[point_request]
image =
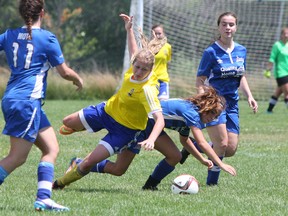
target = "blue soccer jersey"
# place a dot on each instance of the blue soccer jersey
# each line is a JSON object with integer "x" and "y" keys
{"x": 179, "y": 115}
{"x": 29, "y": 61}
{"x": 224, "y": 69}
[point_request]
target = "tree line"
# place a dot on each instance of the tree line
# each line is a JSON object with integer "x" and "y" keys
{"x": 91, "y": 34}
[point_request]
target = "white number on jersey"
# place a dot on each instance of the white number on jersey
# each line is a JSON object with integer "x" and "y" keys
{"x": 28, "y": 56}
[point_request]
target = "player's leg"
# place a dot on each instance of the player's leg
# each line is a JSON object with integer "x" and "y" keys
{"x": 19, "y": 150}
{"x": 117, "y": 140}
{"x": 219, "y": 138}
{"x": 232, "y": 144}
{"x": 99, "y": 154}
{"x": 284, "y": 89}
{"x": 90, "y": 118}
{"x": 46, "y": 141}
{"x": 117, "y": 168}
{"x": 167, "y": 147}
{"x": 120, "y": 166}
{"x": 71, "y": 124}
{"x": 21, "y": 130}
{"x": 274, "y": 99}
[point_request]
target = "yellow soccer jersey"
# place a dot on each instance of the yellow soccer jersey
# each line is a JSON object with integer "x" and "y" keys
{"x": 161, "y": 62}
{"x": 133, "y": 102}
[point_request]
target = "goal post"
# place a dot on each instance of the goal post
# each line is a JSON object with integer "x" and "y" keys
{"x": 190, "y": 26}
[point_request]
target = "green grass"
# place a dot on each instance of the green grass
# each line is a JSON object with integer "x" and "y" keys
{"x": 260, "y": 188}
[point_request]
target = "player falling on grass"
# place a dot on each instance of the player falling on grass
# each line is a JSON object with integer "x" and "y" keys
{"x": 30, "y": 51}
{"x": 223, "y": 66}
{"x": 181, "y": 115}
{"x": 124, "y": 115}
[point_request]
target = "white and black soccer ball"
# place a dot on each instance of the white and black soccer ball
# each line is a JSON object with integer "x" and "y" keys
{"x": 185, "y": 184}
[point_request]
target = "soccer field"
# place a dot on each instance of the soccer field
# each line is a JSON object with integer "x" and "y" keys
{"x": 260, "y": 188}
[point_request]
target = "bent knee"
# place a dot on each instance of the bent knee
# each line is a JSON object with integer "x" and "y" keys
{"x": 230, "y": 151}
{"x": 174, "y": 159}
{"x": 17, "y": 161}
{"x": 51, "y": 153}
{"x": 67, "y": 121}
{"x": 221, "y": 145}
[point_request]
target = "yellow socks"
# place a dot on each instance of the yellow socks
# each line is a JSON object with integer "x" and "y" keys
{"x": 73, "y": 175}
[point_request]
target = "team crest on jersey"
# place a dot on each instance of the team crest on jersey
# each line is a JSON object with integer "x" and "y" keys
{"x": 131, "y": 92}
{"x": 219, "y": 61}
{"x": 239, "y": 59}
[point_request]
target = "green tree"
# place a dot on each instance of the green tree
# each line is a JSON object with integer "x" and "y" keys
{"x": 91, "y": 34}
{"x": 100, "y": 20}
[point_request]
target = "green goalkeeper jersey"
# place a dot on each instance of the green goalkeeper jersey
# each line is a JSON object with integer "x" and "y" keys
{"x": 279, "y": 57}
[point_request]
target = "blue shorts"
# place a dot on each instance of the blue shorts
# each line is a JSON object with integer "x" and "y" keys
{"x": 24, "y": 118}
{"x": 163, "y": 90}
{"x": 230, "y": 117}
{"x": 119, "y": 137}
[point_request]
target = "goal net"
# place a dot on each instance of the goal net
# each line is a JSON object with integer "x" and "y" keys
{"x": 191, "y": 26}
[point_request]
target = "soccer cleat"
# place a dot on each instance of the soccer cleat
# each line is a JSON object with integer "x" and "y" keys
{"x": 184, "y": 154}
{"x": 151, "y": 184}
{"x": 152, "y": 188}
{"x": 72, "y": 164}
{"x": 64, "y": 130}
{"x": 56, "y": 186}
{"x": 49, "y": 205}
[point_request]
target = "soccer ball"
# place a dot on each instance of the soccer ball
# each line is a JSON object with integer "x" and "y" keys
{"x": 185, "y": 184}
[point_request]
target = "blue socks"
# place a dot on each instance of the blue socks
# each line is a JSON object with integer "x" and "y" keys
{"x": 213, "y": 175}
{"x": 3, "y": 174}
{"x": 99, "y": 167}
{"x": 162, "y": 170}
{"x": 45, "y": 179}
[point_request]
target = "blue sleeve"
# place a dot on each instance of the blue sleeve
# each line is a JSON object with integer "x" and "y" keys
{"x": 54, "y": 52}
{"x": 205, "y": 65}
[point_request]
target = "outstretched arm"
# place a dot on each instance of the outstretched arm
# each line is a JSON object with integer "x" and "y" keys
{"x": 69, "y": 74}
{"x": 189, "y": 146}
{"x": 206, "y": 148}
{"x": 148, "y": 144}
{"x": 132, "y": 44}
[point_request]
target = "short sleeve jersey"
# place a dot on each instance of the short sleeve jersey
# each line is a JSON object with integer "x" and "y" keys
{"x": 134, "y": 101}
{"x": 279, "y": 57}
{"x": 29, "y": 61}
{"x": 223, "y": 69}
{"x": 180, "y": 115}
{"x": 161, "y": 62}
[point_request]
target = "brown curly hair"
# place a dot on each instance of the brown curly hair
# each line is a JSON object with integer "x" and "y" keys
{"x": 30, "y": 11}
{"x": 209, "y": 101}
